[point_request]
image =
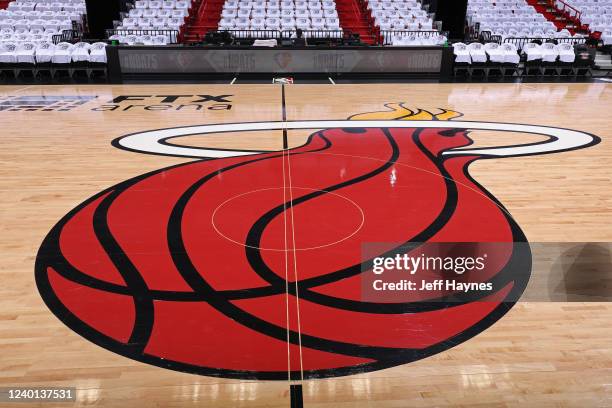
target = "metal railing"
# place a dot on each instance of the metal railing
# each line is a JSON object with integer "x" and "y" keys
{"x": 487, "y": 36}
{"x": 171, "y": 35}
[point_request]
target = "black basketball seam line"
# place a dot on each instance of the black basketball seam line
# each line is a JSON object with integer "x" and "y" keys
{"x": 450, "y": 201}
{"x": 144, "y": 313}
{"x": 317, "y": 374}
{"x": 418, "y": 306}
{"x": 252, "y": 241}
{"x": 71, "y": 273}
{"x": 596, "y": 139}
{"x": 71, "y": 321}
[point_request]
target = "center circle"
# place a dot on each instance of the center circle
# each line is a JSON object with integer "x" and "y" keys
{"x": 318, "y": 228}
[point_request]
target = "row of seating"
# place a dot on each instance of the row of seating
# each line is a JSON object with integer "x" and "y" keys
{"x": 143, "y": 39}
{"x": 279, "y": 5}
{"x": 158, "y": 23}
{"x": 152, "y": 13}
{"x": 262, "y": 13}
{"x": 22, "y": 26}
{"x": 273, "y": 23}
{"x": 165, "y": 4}
{"x": 502, "y": 60}
{"x": 413, "y": 40}
{"x": 55, "y": 6}
{"x": 62, "y": 53}
{"x": 279, "y": 15}
{"x": 46, "y": 36}
{"x": 508, "y": 53}
{"x": 38, "y": 15}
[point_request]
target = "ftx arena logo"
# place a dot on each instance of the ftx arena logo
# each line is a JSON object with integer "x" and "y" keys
{"x": 219, "y": 266}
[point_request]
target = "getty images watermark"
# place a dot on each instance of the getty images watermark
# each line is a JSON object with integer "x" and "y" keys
{"x": 462, "y": 272}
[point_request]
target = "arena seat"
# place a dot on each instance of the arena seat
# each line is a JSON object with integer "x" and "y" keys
{"x": 477, "y": 52}
{"x": 495, "y": 52}
{"x": 25, "y": 53}
{"x": 566, "y": 52}
{"x": 532, "y": 51}
{"x": 549, "y": 52}
{"x": 462, "y": 53}
{"x": 44, "y": 52}
{"x": 7, "y": 53}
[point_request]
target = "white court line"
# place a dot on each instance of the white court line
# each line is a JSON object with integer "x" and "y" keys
{"x": 295, "y": 272}
{"x": 286, "y": 270}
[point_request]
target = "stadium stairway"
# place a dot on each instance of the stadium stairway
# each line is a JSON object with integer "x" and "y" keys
{"x": 561, "y": 19}
{"x": 203, "y": 17}
{"x": 355, "y": 17}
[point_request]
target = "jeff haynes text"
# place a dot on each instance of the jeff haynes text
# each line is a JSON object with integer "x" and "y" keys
{"x": 438, "y": 284}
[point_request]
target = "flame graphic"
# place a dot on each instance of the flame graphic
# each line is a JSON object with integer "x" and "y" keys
{"x": 398, "y": 111}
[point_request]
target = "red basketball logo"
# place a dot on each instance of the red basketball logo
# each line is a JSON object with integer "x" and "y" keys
{"x": 210, "y": 267}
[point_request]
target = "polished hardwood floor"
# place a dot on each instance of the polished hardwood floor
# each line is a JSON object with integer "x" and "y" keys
{"x": 550, "y": 350}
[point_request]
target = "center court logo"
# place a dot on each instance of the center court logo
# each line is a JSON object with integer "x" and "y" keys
{"x": 247, "y": 264}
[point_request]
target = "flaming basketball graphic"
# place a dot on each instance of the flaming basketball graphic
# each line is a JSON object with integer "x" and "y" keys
{"x": 228, "y": 265}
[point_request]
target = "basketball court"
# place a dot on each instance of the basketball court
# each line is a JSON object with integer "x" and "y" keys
{"x": 211, "y": 245}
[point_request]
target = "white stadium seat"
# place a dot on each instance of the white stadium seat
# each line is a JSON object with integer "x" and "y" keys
{"x": 549, "y": 52}
{"x": 44, "y": 52}
{"x": 477, "y": 52}
{"x": 25, "y": 52}
{"x": 80, "y": 52}
{"x": 7, "y": 52}
{"x": 63, "y": 53}
{"x": 566, "y": 52}
{"x": 462, "y": 53}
